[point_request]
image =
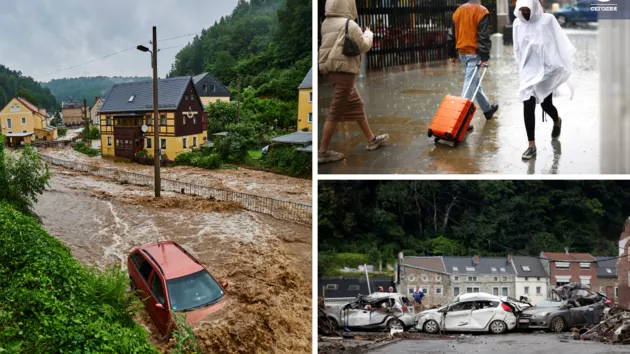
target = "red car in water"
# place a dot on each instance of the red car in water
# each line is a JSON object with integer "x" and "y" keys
{"x": 173, "y": 281}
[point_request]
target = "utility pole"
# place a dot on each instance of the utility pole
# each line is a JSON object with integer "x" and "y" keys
{"x": 157, "y": 151}
{"x": 238, "y": 100}
{"x": 86, "y": 130}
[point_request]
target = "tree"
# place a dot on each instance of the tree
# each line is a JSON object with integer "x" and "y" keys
{"x": 24, "y": 93}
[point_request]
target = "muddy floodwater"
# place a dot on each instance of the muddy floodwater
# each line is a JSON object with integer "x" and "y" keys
{"x": 266, "y": 261}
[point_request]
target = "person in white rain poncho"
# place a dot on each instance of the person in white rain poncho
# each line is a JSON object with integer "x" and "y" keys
{"x": 544, "y": 56}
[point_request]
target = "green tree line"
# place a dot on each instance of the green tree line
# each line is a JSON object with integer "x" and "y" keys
{"x": 13, "y": 83}
{"x": 381, "y": 218}
{"x": 86, "y": 87}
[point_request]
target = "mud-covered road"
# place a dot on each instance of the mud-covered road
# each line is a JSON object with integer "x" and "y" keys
{"x": 266, "y": 261}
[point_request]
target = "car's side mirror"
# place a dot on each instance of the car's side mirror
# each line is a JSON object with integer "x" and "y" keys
{"x": 159, "y": 306}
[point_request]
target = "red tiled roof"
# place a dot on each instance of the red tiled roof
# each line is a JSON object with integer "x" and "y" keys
{"x": 570, "y": 256}
{"x": 30, "y": 106}
{"x": 432, "y": 263}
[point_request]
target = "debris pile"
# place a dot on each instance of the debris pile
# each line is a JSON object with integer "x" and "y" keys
{"x": 325, "y": 325}
{"x": 614, "y": 328}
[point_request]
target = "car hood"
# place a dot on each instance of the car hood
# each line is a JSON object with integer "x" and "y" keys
{"x": 535, "y": 310}
{"x": 197, "y": 315}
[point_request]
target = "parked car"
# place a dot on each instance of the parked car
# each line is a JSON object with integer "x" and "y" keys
{"x": 472, "y": 312}
{"x": 580, "y": 12}
{"x": 560, "y": 315}
{"x": 378, "y": 310}
{"x": 173, "y": 281}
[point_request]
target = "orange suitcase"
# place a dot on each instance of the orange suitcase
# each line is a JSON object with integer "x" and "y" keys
{"x": 453, "y": 117}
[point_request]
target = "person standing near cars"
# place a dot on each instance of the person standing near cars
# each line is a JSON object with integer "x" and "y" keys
{"x": 342, "y": 70}
{"x": 544, "y": 55}
{"x": 417, "y": 297}
{"x": 469, "y": 38}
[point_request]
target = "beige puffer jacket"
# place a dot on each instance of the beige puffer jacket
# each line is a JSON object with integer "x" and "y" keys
{"x": 331, "y": 58}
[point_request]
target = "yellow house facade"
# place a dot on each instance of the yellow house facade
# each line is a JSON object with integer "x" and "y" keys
{"x": 210, "y": 89}
{"x": 305, "y": 104}
{"x": 126, "y": 119}
{"x": 22, "y": 123}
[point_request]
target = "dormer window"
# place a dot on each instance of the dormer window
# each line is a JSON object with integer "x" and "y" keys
{"x": 493, "y": 269}
{"x": 526, "y": 268}
{"x": 470, "y": 269}
{"x": 132, "y": 98}
{"x": 502, "y": 269}
{"x": 212, "y": 88}
{"x": 205, "y": 88}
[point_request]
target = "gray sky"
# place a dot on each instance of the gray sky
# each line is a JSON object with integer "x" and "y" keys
{"x": 39, "y": 37}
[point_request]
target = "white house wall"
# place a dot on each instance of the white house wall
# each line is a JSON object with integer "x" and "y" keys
{"x": 532, "y": 283}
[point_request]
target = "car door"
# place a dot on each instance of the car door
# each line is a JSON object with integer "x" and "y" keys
{"x": 145, "y": 269}
{"x": 457, "y": 317}
{"x": 381, "y": 312}
{"x": 355, "y": 317}
{"x": 483, "y": 312}
{"x": 162, "y": 316}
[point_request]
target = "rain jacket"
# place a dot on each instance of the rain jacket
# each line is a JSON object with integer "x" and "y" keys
{"x": 331, "y": 58}
{"x": 543, "y": 53}
{"x": 470, "y": 31}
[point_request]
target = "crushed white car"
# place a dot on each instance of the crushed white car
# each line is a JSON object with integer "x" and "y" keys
{"x": 481, "y": 312}
{"x": 375, "y": 311}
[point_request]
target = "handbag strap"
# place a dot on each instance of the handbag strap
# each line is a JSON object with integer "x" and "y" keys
{"x": 347, "y": 23}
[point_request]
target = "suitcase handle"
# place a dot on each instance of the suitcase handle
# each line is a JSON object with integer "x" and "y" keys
{"x": 480, "y": 80}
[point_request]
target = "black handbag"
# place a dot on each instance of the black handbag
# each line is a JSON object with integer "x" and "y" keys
{"x": 350, "y": 48}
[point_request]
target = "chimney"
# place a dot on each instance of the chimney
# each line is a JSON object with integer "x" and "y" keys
{"x": 476, "y": 259}
{"x": 566, "y": 250}
{"x": 509, "y": 258}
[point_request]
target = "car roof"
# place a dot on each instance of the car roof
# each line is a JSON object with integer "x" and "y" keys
{"x": 172, "y": 258}
{"x": 478, "y": 296}
{"x": 377, "y": 295}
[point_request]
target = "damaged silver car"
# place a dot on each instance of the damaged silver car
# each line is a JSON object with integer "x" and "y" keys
{"x": 375, "y": 311}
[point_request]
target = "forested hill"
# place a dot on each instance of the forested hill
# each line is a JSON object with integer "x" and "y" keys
{"x": 85, "y": 87}
{"x": 471, "y": 217}
{"x": 265, "y": 43}
{"x": 13, "y": 83}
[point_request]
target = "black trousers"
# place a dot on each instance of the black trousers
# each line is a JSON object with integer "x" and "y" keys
{"x": 529, "y": 111}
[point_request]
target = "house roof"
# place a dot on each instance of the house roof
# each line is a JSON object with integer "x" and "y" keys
{"x": 71, "y": 104}
{"x": 33, "y": 108}
{"x": 536, "y": 268}
{"x": 170, "y": 92}
{"x": 295, "y": 138}
{"x": 429, "y": 263}
{"x": 305, "y": 149}
{"x": 220, "y": 89}
{"x": 606, "y": 267}
{"x": 343, "y": 286}
{"x": 484, "y": 266}
{"x": 18, "y": 134}
{"x": 308, "y": 80}
{"x": 569, "y": 256}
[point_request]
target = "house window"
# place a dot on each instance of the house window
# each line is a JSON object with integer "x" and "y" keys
{"x": 470, "y": 269}
{"x": 495, "y": 291}
{"x": 23, "y": 121}
{"x": 585, "y": 266}
{"x": 205, "y": 88}
{"x": 132, "y": 98}
{"x": 109, "y": 141}
{"x": 186, "y": 97}
{"x": 9, "y": 124}
{"x": 608, "y": 270}
{"x": 212, "y": 88}
{"x": 184, "y": 120}
{"x": 194, "y": 120}
{"x": 149, "y": 120}
{"x": 108, "y": 121}
{"x": 504, "y": 278}
{"x": 475, "y": 290}
{"x": 438, "y": 291}
{"x": 537, "y": 278}
{"x": 538, "y": 290}
{"x": 163, "y": 119}
{"x": 332, "y": 286}
{"x": 616, "y": 292}
{"x": 353, "y": 287}
{"x": 493, "y": 269}
{"x": 496, "y": 278}
{"x": 148, "y": 143}
{"x": 526, "y": 278}
{"x": 456, "y": 278}
{"x": 185, "y": 143}
{"x": 456, "y": 291}
{"x": 585, "y": 280}
{"x": 526, "y": 268}
{"x": 472, "y": 278}
{"x": 310, "y": 96}
{"x": 455, "y": 269}
{"x": 12, "y": 108}
{"x": 502, "y": 269}
{"x": 527, "y": 290}
{"x": 163, "y": 143}
{"x": 194, "y": 141}
{"x": 562, "y": 265}
{"x": 425, "y": 277}
{"x": 17, "y": 108}
{"x": 310, "y": 117}
{"x": 469, "y": 290}
{"x": 438, "y": 277}
{"x": 504, "y": 291}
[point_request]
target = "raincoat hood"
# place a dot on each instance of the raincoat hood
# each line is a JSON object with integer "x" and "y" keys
{"x": 535, "y": 8}
{"x": 341, "y": 8}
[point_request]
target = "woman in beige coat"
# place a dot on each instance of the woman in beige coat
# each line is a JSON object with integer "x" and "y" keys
{"x": 342, "y": 70}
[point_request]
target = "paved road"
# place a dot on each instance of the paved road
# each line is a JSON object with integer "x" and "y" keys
{"x": 513, "y": 343}
{"x": 402, "y": 102}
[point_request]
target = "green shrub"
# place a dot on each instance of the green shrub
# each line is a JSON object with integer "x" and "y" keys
{"x": 284, "y": 158}
{"x": 210, "y": 162}
{"x": 184, "y": 159}
{"x": 83, "y": 147}
{"x": 52, "y": 304}
{"x": 235, "y": 146}
{"x": 93, "y": 133}
{"x": 62, "y": 131}
{"x": 184, "y": 340}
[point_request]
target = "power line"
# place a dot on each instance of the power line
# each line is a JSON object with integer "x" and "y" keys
{"x": 177, "y": 46}
{"x": 182, "y": 36}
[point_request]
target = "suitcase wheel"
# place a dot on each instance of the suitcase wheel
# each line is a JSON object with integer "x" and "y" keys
{"x": 430, "y": 133}
{"x": 437, "y": 140}
{"x": 448, "y": 135}
{"x": 456, "y": 143}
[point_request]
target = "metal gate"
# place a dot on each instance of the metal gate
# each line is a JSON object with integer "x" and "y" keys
{"x": 408, "y": 31}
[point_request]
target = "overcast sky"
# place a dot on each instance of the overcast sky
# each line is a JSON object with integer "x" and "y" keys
{"x": 39, "y": 37}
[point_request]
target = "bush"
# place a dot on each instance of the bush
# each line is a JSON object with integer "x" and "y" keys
{"x": 83, "y": 147}
{"x": 184, "y": 159}
{"x": 53, "y": 304}
{"x": 235, "y": 146}
{"x": 284, "y": 158}
{"x": 199, "y": 159}
{"x": 62, "y": 131}
{"x": 93, "y": 133}
{"x": 184, "y": 340}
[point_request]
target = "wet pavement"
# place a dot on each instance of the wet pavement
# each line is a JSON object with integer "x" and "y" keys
{"x": 516, "y": 343}
{"x": 403, "y": 100}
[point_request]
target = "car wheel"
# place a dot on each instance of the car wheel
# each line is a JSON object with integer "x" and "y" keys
{"x": 431, "y": 327}
{"x": 498, "y": 327}
{"x": 333, "y": 322}
{"x": 557, "y": 324}
{"x": 395, "y": 323}
{"x": 562, "y": 20}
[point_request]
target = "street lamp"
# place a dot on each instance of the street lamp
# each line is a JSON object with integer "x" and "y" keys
{"x": 156, "y": 138}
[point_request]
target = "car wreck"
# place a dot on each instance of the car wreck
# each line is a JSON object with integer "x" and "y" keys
{"x": 570, "y": 305}
{"x": 375, "y": 311}
{"x": 473, "y": 312}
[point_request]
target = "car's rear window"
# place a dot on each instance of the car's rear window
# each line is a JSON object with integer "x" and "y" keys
{"x": 194, "y": 290}
{"x": 405, "y": 301}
